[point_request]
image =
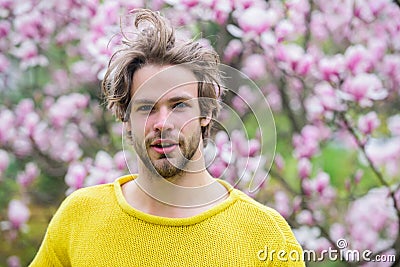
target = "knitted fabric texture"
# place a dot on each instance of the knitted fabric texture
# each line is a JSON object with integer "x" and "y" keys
{"x": 95, "y": 226}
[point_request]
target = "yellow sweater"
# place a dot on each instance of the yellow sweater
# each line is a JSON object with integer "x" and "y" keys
{"x": 95, "y": 226}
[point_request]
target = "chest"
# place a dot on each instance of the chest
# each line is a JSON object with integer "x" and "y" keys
{"x": 135, "y": 243}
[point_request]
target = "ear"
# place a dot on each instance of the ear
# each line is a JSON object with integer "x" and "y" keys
{"x": 204, "y": 121}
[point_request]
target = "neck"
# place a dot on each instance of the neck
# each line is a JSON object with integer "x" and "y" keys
{"x": 184, "y": 196}
{"x": 189, "y": 189}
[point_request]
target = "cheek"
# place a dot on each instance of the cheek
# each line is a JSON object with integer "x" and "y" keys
{"x": 137, "y": 130}
{"x": 190, "y": 126}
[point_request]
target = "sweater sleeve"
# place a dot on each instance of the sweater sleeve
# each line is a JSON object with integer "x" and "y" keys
{"x": 293, "y": 256}
{"x": 46, "y": 255}
{"x": 54, "y": 248}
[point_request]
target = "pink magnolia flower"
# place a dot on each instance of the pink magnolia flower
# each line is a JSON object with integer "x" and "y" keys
{"x": 279, "y": 161}
{"x": 315, "y": 109}
{"x": 28, "y": 176}
{"x": 106, "y": 14}
{"x": 244, "y": 100}
{"x": 245, "y": 148}
{"x": 71, "y": 152}
{"x": 385, "y": 153}
{"x": 217, "y": 168}
{"x": 4, "y": 63}
{"x": 327, "y": 95}
{"x": 357, "y": 59}
{"x": 282, "y": 204}
{"x": 22, "y": 146}
{"x": 368, "y": 123}
{"x": 18, "y": 213}
{"x": 307, "y": 187}
{"x": 66, "y": 107}
{"x": 84, "y": 71}
{"x": 7, "y": 128}
{"x": 98, "y": 176}
{"x": 318, "y": 25}
{"x": 322, "y": 182}
{"x": 120, "y": 159}
{"x": 364, "y": 229}
{"x": 254, "y": 66}
{"x": 190, "y": 3}
{"x": 273, "y": 96}
{"x": 5, "y": 27}
{"x": 75, "y": 176}
{"x": 331, "y": 68}
{"x": 394, "y": 125}
{"x": 298, "y": 6}
{"x": 307, "y": 143}
{"x": 304, "y": 65}
{"x": 6, "y": 4}
{"x": 30, "y": 122}
{"x": 378, "y": 6}
{"x": 358, "y": 176}
{"x": 239, "y": 105}
{"x": 304, "y": 168}
{"x": 221, "y": 10}
{"x": 33, "y": 25}
{"x": 337, "y": 231}
{"x": 67, "y": 34}
{"x": 104, "y": 161}
{"x": 391, "y": 66}
{"x": 13, "y": 261}
{"x": 29, "y": 55}
{"x": 305, "y": 217}
{"x": 221, "y": 138}
{"x": 290, "y": 55}
{"x": 368, "y": 11}
{"x": 4, "y": 161}
{"x": 24, "y": 107}
{"x": 257, "y": 20}
{"x": 244, "y": 4}
{"x": 283, "y": 30}
{"x": 308, "y": 237}
{"x": 40, "y": 136}
{"x": 363, "y": 89}
{"x": 377, "y": 49}
{"x": 232, "y": 50}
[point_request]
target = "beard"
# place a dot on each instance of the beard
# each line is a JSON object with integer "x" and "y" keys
{"x": 167, "y": 165}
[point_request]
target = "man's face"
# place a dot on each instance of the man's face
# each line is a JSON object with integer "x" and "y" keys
{"x": 165, "y": 118}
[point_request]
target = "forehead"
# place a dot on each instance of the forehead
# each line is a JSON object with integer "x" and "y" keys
{"x": 155, "y": 82}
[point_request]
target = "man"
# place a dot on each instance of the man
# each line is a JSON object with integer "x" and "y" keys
{"x": 173, "y": 212}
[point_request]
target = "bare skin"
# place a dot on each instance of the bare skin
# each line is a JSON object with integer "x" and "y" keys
{"x": 165, "y": 124}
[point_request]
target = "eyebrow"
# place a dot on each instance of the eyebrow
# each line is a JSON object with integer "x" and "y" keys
{"x": 170, "y": 100}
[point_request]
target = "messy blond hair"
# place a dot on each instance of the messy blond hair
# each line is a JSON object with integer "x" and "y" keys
{"x": 155, "y": 44}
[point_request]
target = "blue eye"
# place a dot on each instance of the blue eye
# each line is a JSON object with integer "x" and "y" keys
{"x": 145, "y": 108}
{"x": 180, "y": 105}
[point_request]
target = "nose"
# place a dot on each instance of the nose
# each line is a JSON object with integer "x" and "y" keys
{"x": 162, "y": 120}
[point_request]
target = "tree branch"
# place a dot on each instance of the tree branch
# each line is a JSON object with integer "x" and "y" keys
{"x": 361, "y": 145}
{"x": 378, "y": 174}
{"x": 282, "y": 180}
{"x": 286, "y": 105}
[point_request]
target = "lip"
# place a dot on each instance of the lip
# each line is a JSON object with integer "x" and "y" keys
{"x": 163, "y": 150}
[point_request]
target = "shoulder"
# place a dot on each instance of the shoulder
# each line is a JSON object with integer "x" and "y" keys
{"x": 264, "y": 217}
{"x": 82, "y": 202}
{"x": 88, "y": 196}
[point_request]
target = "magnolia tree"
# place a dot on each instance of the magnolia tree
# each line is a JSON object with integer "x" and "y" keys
{"x": 330, "y": 71}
